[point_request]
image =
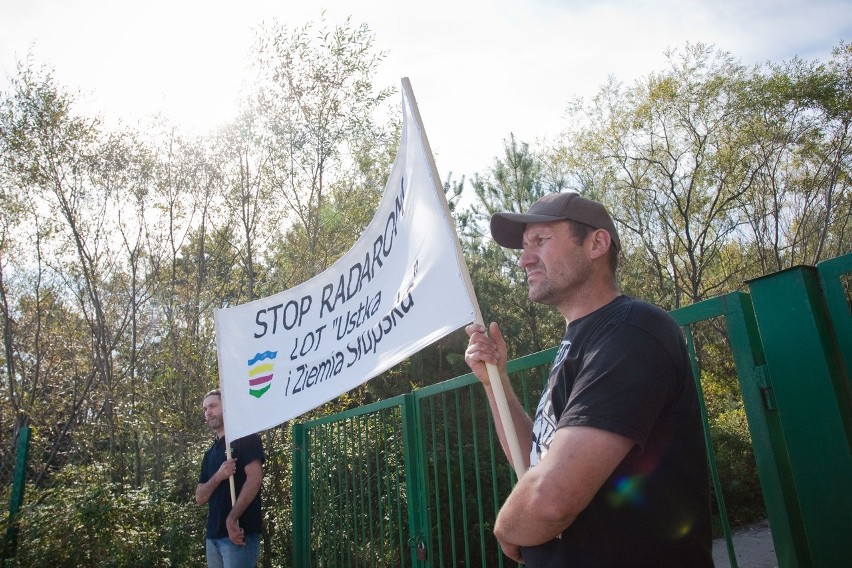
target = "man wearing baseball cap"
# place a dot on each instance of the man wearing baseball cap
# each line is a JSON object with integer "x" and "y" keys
{"x": 618, "y": 469}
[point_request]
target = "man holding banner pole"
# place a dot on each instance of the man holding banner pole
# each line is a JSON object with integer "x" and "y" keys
{"x": 232, "y": 536}
{"x": 617, "y": 465}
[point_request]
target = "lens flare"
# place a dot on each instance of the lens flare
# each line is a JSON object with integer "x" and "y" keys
{"x": 627, "y": 490}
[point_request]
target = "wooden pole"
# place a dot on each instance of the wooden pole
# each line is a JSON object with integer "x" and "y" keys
{"x": 222, "y": 398}
{"x": 504, "y": 414}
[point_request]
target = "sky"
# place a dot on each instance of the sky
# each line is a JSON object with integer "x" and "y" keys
{"x": 480, "y": 70}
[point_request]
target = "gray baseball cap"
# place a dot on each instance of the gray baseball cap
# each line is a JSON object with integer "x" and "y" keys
{"x": 508, "y": 228}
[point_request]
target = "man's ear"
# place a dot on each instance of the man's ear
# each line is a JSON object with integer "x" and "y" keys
{"x": 600, "y": 243}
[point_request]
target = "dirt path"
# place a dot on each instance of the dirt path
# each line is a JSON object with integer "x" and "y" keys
{"x": 753, "y": 547}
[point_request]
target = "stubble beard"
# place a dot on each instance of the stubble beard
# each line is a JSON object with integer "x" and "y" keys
{"x": 540, "y": 290}
{"x": 541, "y": 293}
{"x": 558, "y": 287}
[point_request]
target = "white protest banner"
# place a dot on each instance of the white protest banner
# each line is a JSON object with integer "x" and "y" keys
{"x": 402, "y": 286}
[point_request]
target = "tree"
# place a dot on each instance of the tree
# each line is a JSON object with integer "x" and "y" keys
{"x": 55, "y": 157}
{"x": 799, "y": 209}
{"x": 248, "y": 197}
{"x": 196, "y": 267}
{"x": 319, "y": 109}
{"x": 667, "y": 158}
{"x": 717, "y": 173}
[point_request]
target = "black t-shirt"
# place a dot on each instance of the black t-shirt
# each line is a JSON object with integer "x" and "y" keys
{"x": 246, "y": 450}
{"x": 624, "y": 368}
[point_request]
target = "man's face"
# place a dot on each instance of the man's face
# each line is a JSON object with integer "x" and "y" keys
{"x": 213, "y": 411}
{"x": 556, "y": 266}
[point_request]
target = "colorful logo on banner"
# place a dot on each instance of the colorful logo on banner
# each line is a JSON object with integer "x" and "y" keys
{"x": 260, "y": 373}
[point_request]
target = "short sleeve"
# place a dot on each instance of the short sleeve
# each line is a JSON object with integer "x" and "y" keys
{"x": 622, "y": 385}
{"x": 248, "y": 449}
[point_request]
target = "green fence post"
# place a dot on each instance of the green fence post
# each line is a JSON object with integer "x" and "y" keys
{"x": 805, "y": 377}
{"x": 17, "y": 497}
{"x": 301, "y": 530}
{"x": 767, "y": 437}
{"x": 415, "y": 484}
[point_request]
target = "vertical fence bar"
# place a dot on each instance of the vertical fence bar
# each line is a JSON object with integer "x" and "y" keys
{"x": 382, "y": 459}
{"x": 714, "y": 470}
{"x": 377, "y": 466}
{"x": 301, "y": 520}
{"x": 360, "y": 496}
{"x": 352, "y": 495}
{"x": 462, "y": 484}
{"x": 402, "y": 539}
{"x": 340, "y": 445}
{"x": 449, "y": 481}
{"x": 494, "y": 449}
{"x": 17, "y": 497}
{"x": 371, "y": 518}
{"x": 480, "y": 515}
{"x": 418, "y": 522}
{"x": 436, "y": 487}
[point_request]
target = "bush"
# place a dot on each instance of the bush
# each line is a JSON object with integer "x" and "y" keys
{"x": 735, "y": 462}
{"x": 80, "y": 521}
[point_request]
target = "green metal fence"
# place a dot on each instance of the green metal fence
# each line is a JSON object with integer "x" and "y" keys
{"x": 417, "y": 480}
{"x": 364, "y": 496}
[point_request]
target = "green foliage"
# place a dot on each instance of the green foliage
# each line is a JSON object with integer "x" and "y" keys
{"x": 83, "y": 520}
{"x": 734, "y": 456}
{"x": 277, "y": 496}
{"x": 327, "y": 155}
